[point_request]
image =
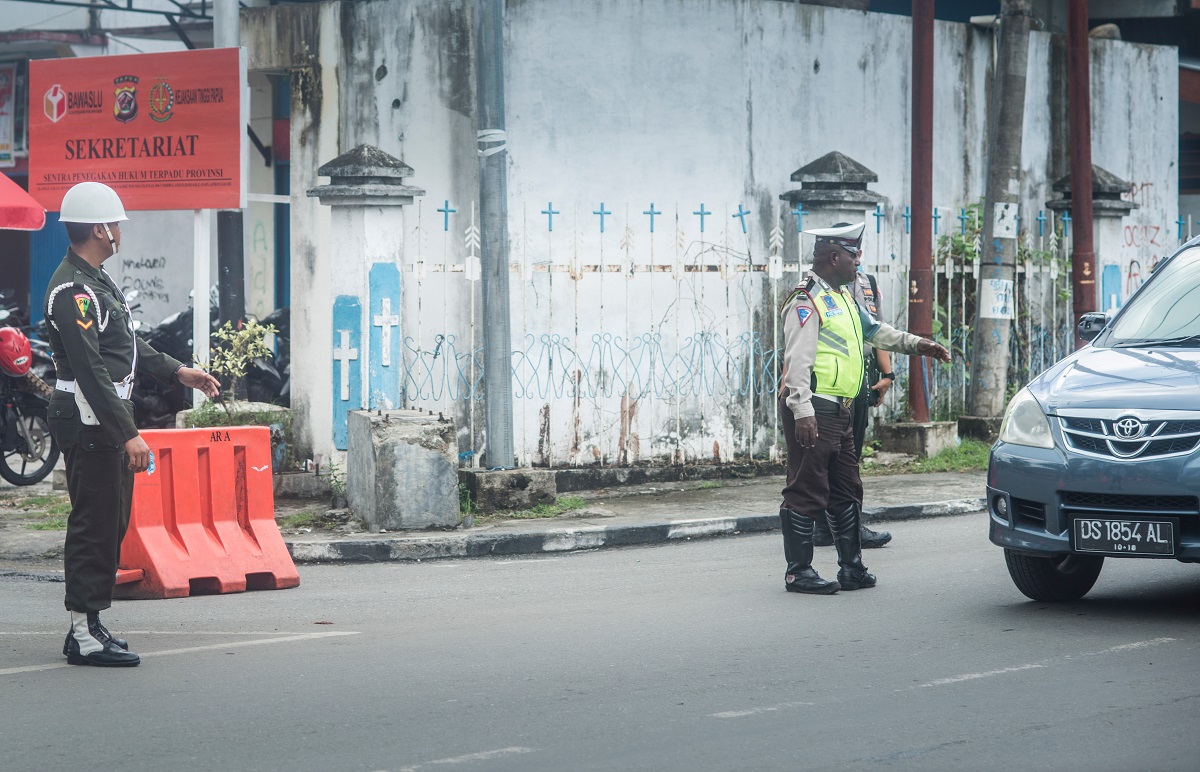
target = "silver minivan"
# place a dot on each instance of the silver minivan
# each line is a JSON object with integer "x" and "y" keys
{"x": 1099, "y": 456}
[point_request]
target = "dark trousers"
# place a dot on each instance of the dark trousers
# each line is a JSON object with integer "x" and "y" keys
{"x": 860, "y": 413}
{"x": 825, "y": 476}
{"x": 101, "y": 488}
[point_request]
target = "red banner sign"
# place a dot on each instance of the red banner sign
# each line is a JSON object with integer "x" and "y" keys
{"x": 163, "y": 130}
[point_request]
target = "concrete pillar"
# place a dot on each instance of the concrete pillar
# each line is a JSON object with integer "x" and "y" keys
{"x": 833, "y": 189}
{"x": 402, "y": 470}
{"x": 366, "y": 192}
{"x": 1108, "y": 212}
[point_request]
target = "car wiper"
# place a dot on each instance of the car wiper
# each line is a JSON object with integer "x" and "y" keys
{"x": 1180, "y": 341}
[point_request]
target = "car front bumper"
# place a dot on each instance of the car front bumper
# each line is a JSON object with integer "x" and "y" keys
{"x": 1035, "y": 494}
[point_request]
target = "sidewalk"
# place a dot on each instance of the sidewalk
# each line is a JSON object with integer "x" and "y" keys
{"x": 634, "y": 515}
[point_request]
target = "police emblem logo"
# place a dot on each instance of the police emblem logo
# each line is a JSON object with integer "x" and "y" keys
{"x": 804, "y": 313}
{"x": 830, "y": 303}
{"x": 83, "y": 304}
{"x": 162, "y": 101}
{"x": 125, "y": 109}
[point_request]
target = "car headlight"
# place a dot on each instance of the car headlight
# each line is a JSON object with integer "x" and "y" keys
{"x": 1025, "y": 423}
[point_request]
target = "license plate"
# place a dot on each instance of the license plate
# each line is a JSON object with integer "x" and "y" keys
{"x": 1125, "y": 537}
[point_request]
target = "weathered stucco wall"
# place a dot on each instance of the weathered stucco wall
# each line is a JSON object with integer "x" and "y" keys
{"x": 627, "y": 108}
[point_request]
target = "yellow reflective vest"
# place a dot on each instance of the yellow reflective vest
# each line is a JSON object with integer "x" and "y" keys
{"x": 839, "y": 369}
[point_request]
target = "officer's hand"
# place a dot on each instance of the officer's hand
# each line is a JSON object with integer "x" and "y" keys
{"x": 882, "y": 388}
{"x": 199, "y": 380}
{"x": 806, "y": 431}
{"x": 928, "y": 348}
{"x": 139, "y": 454}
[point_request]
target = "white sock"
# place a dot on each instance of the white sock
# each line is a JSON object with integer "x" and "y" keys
{"x": 88, "y": 644}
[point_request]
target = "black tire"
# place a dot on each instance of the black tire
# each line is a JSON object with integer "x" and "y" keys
{"x": 1055, "y": 578}
{"x": 34, "y": 464}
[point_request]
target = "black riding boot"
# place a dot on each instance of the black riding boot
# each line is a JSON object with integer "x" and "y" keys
{"x": 822, "y": 536}
{"x": 86, "y": 645}
{"x": 101, "y": 632}
{"x": 846, "y": 537}
{"x": 798, "y": 550}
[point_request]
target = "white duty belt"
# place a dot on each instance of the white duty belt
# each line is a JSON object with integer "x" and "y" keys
{"x": 845, "y": 402}
{"x": 123, "y": 388}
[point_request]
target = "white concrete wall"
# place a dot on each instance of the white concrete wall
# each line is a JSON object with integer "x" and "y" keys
{"x": 666, "y": 103}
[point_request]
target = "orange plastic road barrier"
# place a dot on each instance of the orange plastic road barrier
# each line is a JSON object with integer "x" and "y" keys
{"x": 203, "y": 521}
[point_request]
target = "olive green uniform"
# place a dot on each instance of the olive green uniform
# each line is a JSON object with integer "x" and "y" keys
{"x": 96, "y": 354}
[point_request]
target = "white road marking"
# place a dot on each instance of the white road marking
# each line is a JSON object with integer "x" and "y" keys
{"x": 192, "y": 649}
{"x": 986, "y": 674}
{"x": 756, "y": 711}
{"x": 1045, "y": 663}
{"x": 469, "y": 757}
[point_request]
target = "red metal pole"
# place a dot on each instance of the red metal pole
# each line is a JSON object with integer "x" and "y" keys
{"x": 1083, "y": 255}
{"x": 920, "y": 287}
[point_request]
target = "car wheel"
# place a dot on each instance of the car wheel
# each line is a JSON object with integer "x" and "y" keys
{"x": 1055, "y": 578}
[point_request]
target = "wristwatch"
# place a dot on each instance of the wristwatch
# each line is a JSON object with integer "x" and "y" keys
{"x": 889, "y": 376}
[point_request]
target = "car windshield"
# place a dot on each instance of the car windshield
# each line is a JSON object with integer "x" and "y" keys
{"x": 1167, "y": 310}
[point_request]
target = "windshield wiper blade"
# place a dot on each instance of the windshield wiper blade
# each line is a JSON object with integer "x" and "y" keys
{"x": 1180, "y": 341}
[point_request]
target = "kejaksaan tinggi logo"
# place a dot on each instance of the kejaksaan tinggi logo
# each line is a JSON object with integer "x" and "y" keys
{"x": 162, "y": 101}
{"x": 125, "y": 110}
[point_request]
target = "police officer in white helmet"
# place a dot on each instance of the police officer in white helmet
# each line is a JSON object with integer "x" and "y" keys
{"x": 97, "y": 356}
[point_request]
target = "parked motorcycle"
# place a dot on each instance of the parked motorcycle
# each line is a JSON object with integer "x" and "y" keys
{"x": 28, "y": 452}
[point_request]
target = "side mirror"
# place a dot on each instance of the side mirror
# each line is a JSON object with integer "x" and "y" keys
{"x": 1091, "y": 325}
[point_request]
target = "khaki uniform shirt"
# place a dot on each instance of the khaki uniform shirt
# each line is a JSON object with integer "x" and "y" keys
{"x": 93, "y": 343}
{"x": 800, "y": 343}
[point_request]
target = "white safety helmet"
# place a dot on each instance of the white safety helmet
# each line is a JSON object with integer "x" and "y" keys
{"x": 91, "y": 202}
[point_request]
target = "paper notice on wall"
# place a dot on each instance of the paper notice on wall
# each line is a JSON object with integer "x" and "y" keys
{"x": 996, "y": 300}
{"x": 8, "y": 105}
{"x": 1004, "y": 222}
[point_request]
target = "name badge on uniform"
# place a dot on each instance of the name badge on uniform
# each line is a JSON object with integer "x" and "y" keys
{"x": 804, "y": 313}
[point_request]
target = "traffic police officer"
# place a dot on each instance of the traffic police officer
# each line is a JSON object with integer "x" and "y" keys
{"x": 877, "y": 362}
{"x": 824, "y": 331}
{"x": 96, "y": 357}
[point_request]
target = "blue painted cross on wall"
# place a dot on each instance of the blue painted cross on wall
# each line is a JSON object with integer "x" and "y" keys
{"x": 603, "y": 213}
{"x": 652, "y": 212}
{"x": 446, "y": 212}
{"x": 383, "y": 363}
{"x": 741, "y": 215}
{"x": 550, "y": 211}
{"x": 799, "y": 211}
{"x": 703, "y": 213}
{"x": 347, "y": 375}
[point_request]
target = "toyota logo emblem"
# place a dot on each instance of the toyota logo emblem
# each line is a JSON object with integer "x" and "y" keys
{"x": 1129, "y": 428}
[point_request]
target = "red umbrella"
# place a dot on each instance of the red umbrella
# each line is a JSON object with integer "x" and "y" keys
{"x": 18, "y": 210}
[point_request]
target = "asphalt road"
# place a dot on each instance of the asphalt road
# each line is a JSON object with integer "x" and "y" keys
{"x": 689, "y": 656}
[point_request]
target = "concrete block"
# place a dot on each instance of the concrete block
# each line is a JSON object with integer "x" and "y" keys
{"x": 510, "y": 489}
{"x": 402, "y": 470}
{"x": 58, "y": 479}
{"x": 302, "y": 485}
{"x": 984, "y": 428}
{"x": 927, "y": 439}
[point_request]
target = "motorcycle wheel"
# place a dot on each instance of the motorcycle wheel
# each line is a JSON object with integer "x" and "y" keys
{"x": 35, "y": 462}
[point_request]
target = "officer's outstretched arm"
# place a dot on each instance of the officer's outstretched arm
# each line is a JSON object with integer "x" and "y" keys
{"x": 154, "y": 363}
{"x": 77, "y": 318}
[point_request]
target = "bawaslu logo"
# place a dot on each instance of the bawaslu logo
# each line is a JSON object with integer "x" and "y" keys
{"x": 54, "y": 103}
{"x": 125, "y": 110}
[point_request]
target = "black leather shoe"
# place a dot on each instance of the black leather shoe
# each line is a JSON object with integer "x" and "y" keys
{"x": 871, "y": 539}
{"x": 810, "y": 582}
{"x": 855, "y": 578}
{"x": 109, "y": 656}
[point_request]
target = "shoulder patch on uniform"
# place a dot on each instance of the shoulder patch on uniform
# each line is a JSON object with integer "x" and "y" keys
{"x": 804, "y": 312}
{"x": 83, "y": 304}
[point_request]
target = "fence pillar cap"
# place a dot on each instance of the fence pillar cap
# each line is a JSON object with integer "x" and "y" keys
{"x": 1106, "y": 194}
{"x": 365, "y": 176}
{"x": 834, "y": 178}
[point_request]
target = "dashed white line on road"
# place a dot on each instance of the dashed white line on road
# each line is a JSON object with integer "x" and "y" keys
{"x": 757, "y": 711}
{"x": 192, "y": 649}
{"x": 1045, "y": 663}
{"x": 469, "y": 757}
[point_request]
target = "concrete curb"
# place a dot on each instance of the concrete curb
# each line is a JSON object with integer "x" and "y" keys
{"x": 559, "y": 539}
